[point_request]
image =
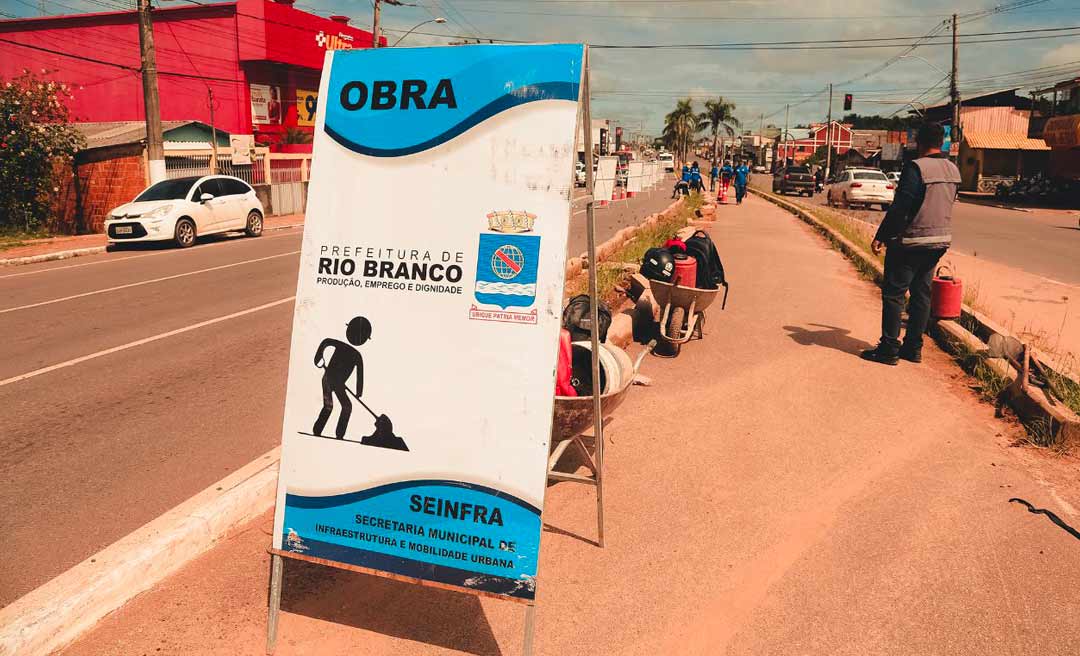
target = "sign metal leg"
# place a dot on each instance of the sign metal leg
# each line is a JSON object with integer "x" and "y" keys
{"x": 276, "y": 566}
{"x": 590, "y": 232}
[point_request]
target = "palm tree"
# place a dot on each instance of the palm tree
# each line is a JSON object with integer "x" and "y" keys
{"x": 680, "y": 125}
{"x": 718, "y": 115}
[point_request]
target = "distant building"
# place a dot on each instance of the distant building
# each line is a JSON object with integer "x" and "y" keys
{"x": 799, "y": 150}
{"x": 994, "y": 142}
{"x": 261, "y": 59}
{"x": 1056, "y": 118}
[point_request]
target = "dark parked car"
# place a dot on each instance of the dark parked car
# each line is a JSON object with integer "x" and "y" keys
{"x": 797, "y": 179}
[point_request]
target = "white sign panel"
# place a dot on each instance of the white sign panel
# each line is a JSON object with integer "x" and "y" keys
{"x": 421, "y": 376}
{"x": 242, "y": 147}
{"x": 635, "y": 175}
{"x": 604, "y": 185}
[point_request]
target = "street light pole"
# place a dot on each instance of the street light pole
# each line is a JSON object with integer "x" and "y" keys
{"x": 954, "y": 91}
{"x": 828, "y": 136}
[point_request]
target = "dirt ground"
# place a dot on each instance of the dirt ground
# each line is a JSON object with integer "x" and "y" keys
{"x": 770, "y": 493}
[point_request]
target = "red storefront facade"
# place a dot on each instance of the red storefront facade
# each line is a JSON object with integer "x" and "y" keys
{"x": 260, "y": 59}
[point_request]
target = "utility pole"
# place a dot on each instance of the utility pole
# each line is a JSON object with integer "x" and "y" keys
{"x": 155, "y": 149}
{"x": 954, "y": 91}
{"x": 828, "y": 136}
{"x": 787, "y": 111}
{"x": 377, "y": 4}
{"x": 213, "y": 133}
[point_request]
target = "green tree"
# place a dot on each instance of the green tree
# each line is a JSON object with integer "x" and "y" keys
{"x": 818, "y": 157}
{"x": 680, "y": 125}
{"x": 718, "y": 115}
{"x": 36, "y": 148}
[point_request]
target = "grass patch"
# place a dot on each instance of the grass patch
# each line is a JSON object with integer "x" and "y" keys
{"x": 1069, "y": 389}
{"x": 12, "y": 238}
{"x": 612, "y": 275}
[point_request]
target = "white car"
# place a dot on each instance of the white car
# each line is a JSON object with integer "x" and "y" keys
{"x": 183, "y": 209}
{"x": 894, "y": 177}
{"x": 861, "y": 187}
{"x": 579, "y": 174}
{"x": 667, "y": 160}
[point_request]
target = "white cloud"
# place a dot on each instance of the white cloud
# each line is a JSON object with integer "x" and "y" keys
{"x": 1069, "y": 52}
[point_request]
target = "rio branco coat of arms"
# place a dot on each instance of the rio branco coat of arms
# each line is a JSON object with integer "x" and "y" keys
{"x": 506, "y": 266}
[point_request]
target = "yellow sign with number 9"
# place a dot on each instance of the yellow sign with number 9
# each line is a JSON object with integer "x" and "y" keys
{"x": 306, "y": 102}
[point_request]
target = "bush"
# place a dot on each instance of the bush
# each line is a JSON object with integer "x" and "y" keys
{"x": 36, "y": 147}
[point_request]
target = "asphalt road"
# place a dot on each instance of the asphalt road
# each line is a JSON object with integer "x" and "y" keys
{"x": 130, "y": 381}
{"x": 1043, "y": 242}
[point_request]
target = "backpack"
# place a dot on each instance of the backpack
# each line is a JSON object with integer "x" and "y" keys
{"x": 658, "y": 265}
{"x": 710, "y": 270}
{"x": 576, "y": 319}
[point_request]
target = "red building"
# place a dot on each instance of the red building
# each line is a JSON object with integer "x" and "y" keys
{"x": 261, "y": 60}
{"x": 801, "y": 149}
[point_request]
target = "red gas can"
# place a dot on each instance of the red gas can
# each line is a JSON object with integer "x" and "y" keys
{"x": 946, "y": 294}
{"x": 685, "y": 270}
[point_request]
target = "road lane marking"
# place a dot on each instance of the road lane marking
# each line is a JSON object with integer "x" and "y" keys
{"x": 143, "y": 282}
{"x": 144, "y": 340}
{"x": 197, "y": 249}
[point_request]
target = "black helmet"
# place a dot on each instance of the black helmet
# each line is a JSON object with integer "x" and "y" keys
{"x": 658, "y": 265}
{"x": 358, "y": 331}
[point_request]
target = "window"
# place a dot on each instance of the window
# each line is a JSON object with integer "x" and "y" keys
{"x": 211, "y": 186}
{"x": 176, "y": 189}
{"x": 871, "y": 175}
{"x": 232, "y": 187}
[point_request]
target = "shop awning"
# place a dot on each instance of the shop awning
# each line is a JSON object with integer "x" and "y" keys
{"x": 1003, "y": 141}
{"x": 1063, "y": 131}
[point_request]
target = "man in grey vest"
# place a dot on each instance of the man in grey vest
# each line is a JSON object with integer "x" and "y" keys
{"x": 916, "y": 232}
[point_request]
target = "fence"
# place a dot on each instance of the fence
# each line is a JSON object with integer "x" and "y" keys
{"x": 286, "y": 174}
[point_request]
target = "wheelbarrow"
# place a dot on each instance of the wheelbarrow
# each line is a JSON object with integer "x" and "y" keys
{"x": 682, "y": 313}
{"x": 574, "y": 414}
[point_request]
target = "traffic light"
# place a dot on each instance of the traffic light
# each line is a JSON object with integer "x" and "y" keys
{"x": 847, "y": 102}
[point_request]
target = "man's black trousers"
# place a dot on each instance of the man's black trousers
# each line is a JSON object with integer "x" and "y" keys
{"x": 907, "y": 269}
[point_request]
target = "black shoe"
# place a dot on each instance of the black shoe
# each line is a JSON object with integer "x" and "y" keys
{"x": 910, "y": 354}
{"x": 878, "y": 355}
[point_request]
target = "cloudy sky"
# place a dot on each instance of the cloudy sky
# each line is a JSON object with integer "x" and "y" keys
{"x": 638, "y": 86}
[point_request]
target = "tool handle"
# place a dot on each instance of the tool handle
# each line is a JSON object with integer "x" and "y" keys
{"x": 358, "y": 399}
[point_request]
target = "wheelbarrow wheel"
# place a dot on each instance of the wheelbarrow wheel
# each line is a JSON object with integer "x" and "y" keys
{"x": 677, "y": 323}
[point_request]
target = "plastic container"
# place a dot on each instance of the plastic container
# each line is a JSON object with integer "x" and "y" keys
{"x": 946, "y": 294}
{"x": 685, "y": 270}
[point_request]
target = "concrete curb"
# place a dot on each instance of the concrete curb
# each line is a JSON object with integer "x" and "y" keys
{"x": 91, "y": 250}
{"x": 56, "y": 613}
{"x": 576, "y": 265}
{"x": 49, "y": 257}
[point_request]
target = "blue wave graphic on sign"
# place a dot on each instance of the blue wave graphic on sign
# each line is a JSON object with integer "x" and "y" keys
{"x": 506, "y": 267}
{"x": 458, "y": 87}
{"x": 445, "y": 531}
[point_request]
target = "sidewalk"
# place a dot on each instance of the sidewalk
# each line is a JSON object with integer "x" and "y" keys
{"x": 66, "y": 244}
{"x": 768, "y": 494}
